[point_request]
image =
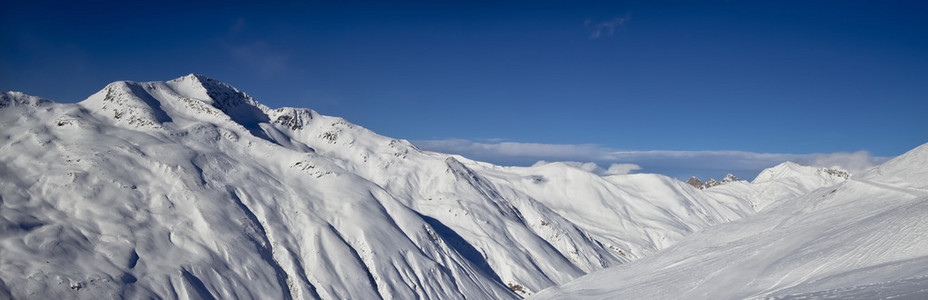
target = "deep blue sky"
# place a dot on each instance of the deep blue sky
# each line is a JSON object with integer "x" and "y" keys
{"x": 774, "y": 77}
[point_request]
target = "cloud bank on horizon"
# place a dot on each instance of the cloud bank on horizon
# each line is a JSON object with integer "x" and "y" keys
{"x": 679, "y": 164}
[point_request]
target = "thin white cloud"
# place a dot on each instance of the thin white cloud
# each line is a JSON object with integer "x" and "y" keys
{"x": 621, "y": 169}
{"x": 254, "y": 54}
{"x": 586, "y": 166}
{"x": 238, "y": 26}
{"x": 853, "y": 162}
{"x": 598, "y": 29}
{"x": 260, "y": 57}
{"x": 494, "y": 148}
{"x": 680, "y": 164}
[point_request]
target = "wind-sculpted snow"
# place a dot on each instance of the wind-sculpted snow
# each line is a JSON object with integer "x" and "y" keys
{"x": 859, "y": 239}
{"x": 192, "y": 189}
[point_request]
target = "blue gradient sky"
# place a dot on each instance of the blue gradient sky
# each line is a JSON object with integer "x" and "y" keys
{"x": 772, "y": 77}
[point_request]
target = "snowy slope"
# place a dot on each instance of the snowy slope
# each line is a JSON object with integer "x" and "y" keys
{"x": 191, "y": 188}
{"x": 105, "y": 199}
{"x": 784, "y": 181}
{"x": 863, "y": 238}
{"x": 907, "y": 170}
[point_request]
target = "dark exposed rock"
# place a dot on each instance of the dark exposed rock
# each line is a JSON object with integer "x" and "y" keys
{"x": 696, "y": 183}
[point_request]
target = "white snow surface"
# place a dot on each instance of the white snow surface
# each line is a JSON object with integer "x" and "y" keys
{"x": 863, "y": 238}
{"x": 192, "y": 189}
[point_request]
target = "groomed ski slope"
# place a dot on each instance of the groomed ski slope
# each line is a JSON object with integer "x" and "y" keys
{"x": 864, "y": 238}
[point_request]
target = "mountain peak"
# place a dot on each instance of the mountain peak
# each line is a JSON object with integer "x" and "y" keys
{"x": 168, "y": 168}
{"x": 711, "y": 182}
{"x": 194, "y": 76}
{"x": 785, "y": 169}
{"x": 799, "y": 172}
{"x": 730, "y": 178}
{"x": 203, "y": 88}
{"x": 695, "y": 182}
{"x": 198, "y": 79}
{"x": 127, "y": 102}
{"x": 216, "y": 93}
{"x": 193, "y": 96}
{"x": 20, "y": 99}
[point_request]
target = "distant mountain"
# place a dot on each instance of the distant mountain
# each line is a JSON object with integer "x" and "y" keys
{"x": 729, "y": 178}
{"x": 711, "y": 182}
{"x": 860, "y": 237}
{"x": 190, "y": 188}
{"x": 696, "y": 183}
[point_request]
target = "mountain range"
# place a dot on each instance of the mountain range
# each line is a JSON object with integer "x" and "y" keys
{"x": 190, "y": 188}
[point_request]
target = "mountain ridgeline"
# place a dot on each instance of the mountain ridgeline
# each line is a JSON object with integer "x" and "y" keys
{"x": 190, "y": 188}
{"x": 695, "y": 182}
{"x": 860, "y": 237}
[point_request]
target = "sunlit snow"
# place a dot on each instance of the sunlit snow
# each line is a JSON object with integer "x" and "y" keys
{"x": 192, "y": 189}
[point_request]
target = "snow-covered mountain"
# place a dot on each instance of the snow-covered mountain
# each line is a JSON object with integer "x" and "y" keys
{"x": 862, "y": 238}
{"x": 190, "y": 188}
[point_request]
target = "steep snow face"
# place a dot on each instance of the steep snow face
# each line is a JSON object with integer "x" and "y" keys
{"x": 857, "y": 239}
{"x": 144, "y": 190}
{"x": 101, "y": 208}
{"x": 191, "y": 188}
